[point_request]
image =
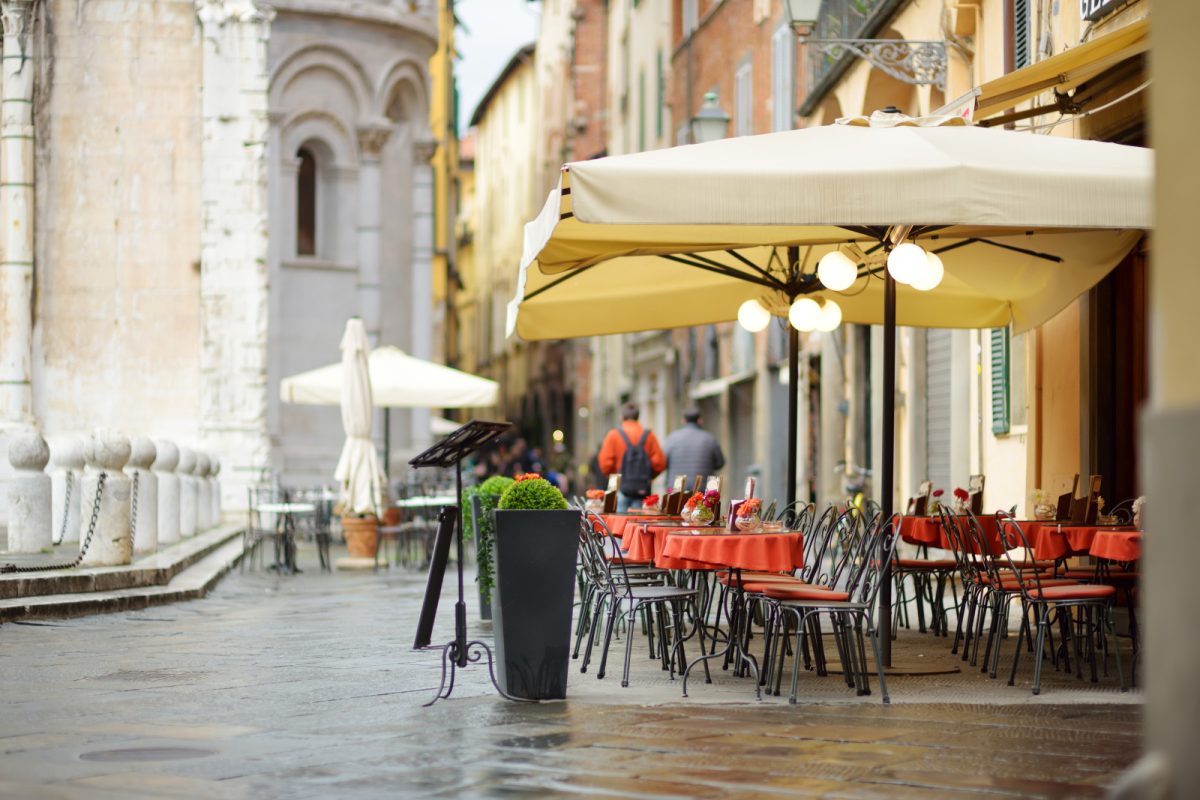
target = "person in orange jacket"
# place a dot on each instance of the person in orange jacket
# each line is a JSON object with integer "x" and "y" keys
{"x": 612, "y": 456}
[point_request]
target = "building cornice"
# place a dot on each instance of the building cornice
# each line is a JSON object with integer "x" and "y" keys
{"x": 422, "y": 24}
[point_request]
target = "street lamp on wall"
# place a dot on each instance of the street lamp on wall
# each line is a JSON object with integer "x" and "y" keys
{"x": 920, "y": 63}
{"x": 711, "y": 122}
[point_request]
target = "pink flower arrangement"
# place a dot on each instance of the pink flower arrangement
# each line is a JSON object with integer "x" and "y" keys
{"x": 712, "y": 499}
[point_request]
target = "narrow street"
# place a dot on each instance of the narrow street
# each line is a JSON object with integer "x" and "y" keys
{"x": 308, "y": 687}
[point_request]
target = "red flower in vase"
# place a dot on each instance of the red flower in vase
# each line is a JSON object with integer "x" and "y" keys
{"x": 750, "y": 507}
{"x": 595, "y": 494}
{"x": 650, "y": 501}
{"x": 962, "y": 494}
{"x": 939, "y": 492}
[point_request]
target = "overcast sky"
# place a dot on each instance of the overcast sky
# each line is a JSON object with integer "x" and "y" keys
{"x": 491, "y": 32}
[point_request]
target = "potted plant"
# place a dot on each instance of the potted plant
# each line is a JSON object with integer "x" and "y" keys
{"x": 362, "y": 534}
{"x": 536, "y": 539}
{"x": 478, "y": 504}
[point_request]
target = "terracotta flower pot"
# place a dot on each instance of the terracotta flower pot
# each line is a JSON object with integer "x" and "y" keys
{"x": 362, "y": 535}
{"x": 391, "y": 516}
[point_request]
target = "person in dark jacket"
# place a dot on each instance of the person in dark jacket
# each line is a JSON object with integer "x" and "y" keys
{"x": 691, "y": 450}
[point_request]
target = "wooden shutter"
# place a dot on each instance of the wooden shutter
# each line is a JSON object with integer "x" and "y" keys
{"x": 938, "y": 374}
{"x": 1000, "y": 383}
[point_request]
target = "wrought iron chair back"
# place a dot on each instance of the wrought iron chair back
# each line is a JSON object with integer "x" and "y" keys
{"x": 1011, "y": 538}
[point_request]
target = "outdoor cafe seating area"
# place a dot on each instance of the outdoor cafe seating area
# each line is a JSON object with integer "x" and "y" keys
{"x": 782, "y": 597}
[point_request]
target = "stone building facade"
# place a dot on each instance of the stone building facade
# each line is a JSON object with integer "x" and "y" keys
{"x": 196, "y": 195}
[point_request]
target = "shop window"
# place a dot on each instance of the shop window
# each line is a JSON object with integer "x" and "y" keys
{"x": 306, "y": 204}
{"x": 743, "y": 100}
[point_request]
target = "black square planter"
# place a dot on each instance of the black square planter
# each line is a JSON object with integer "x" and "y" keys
{"x": 532, "y": 600}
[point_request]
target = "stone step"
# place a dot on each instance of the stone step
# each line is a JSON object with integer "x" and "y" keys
{"x": 190, "y": 583}
{"x": 157, "y": 569}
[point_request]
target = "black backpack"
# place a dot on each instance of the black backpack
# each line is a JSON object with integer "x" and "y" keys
{"x": 636, "y": 472}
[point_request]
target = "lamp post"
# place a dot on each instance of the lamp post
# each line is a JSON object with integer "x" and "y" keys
{"x": 711, "y": 122}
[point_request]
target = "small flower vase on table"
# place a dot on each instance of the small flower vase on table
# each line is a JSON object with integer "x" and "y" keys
{"x": 747, "y": 518}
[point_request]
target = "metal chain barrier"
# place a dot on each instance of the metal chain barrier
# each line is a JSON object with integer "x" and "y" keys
{"x": 133, "y": 504}
{"x": 66, "y": 515}
{"x": 7, "y": 568}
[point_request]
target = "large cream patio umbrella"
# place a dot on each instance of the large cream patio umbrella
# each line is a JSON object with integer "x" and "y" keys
{"x": 357, "y": 472}
{"x": 1023, "y": 224}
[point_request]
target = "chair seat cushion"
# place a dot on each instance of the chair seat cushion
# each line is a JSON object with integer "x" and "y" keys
{"x": 1077, "y": 592}
{"x": 1038, "y": 565}
{"x": 758, "y": 577}
{"x": 926, "y": 563}
{"x": 803, "y": 593}
{"x": 756, "y": 587}
{"x": 1030, "y": 583}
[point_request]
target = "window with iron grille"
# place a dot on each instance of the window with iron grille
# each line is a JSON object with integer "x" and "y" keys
{"x": 1021, "y": 46}
{"x": 839, "y": 19}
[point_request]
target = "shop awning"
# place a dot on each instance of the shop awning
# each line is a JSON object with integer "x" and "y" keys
{"x": 1062, "y": 72}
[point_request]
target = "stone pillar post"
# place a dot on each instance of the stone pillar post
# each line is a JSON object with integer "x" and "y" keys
{"x": 371, "y": 141}
{"x": 66, "y": 453}
{"x": 187, "y": 491}
{"x": 422, "y": 274}
{"x": 168, "y": 491}
{"x": 235, "y": 78}
{"x": 145, "y": 524}
{"x": 29, "y": 517}
{"x": 16, "y": 228}
{"x": 112, "y": 541}
{"x": 203, "y": 493}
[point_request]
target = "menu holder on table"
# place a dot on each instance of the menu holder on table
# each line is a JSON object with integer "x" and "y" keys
{"x": 610, "y": 494}
{"x": 734, "y": 505}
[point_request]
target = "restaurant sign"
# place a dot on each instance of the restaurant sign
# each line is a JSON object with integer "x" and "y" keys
{"x": 1092, "y": 10}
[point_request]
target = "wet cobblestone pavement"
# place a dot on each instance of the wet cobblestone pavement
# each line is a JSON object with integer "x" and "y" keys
{"x": 307, "y": 687}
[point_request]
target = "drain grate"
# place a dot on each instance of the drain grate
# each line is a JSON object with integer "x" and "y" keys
{"x": 148, "y": 754}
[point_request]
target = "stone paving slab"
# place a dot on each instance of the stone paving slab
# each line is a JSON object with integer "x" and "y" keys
{"x": 307, "y": 686}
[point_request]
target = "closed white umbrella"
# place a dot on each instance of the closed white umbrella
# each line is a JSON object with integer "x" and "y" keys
{"x": 357, "y": 471}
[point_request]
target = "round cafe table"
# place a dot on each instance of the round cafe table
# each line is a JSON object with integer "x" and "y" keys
{"x": 645, "y": 540}
{"x": 1052, "y": 541}
{"x": 928, "y": 531}
{"x": 715, "y": 547}
{"x": 618, "y": 523}
{"x": 1117, "y": 545}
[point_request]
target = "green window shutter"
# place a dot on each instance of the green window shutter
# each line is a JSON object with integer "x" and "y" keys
{"x": 1022, "y": 46}
{"x": 1000, "y": 381}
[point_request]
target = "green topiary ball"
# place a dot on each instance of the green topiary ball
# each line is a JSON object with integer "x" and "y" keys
{"x": 495, "y": 485}
{"x": 532, "y": 495}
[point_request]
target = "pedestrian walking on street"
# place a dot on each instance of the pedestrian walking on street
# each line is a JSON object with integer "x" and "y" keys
{"x": 691, "y": 450}
{"x": 634, "y": 452}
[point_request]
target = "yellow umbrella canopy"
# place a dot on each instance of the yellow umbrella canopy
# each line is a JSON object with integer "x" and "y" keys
{"x": 1023, "y": 223}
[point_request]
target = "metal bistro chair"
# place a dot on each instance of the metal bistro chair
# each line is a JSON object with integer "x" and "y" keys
{"x": 256, "y": 531}
{"x": 1093, "y": 604}
{"x": 617, "y": 589}
{"x": 851, "y": 611}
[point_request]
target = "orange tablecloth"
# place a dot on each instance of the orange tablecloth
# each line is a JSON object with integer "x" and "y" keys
{"x": 617, "y": 523}
{"x": 928, "y": 531}
{"x": 1117, "y": 545}
{"x": 1052, "y": 540}
{"x": 768, "y": 552}
{"x": 644, "y": 541}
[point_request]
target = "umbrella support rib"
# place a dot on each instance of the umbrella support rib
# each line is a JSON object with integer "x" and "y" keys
{"x": 720, "y": 269}
{"x": 757, "y": 269}
{"x": 557, "y": 281}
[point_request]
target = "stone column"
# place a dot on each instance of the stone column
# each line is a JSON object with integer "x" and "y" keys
{"x": 16, "y": 228}
{"x": 145, "y": 525}
{"x": 168, "y": 491}
{"x": 371, "y": 141}
{"x": 203, "y": 493}
{"x": 233, "y": 236}
{"x": 422, "y": 274}
{"x": 187, "y": 491}
{"x": 112, "y": 541}
{"x": 29, "y": 517}
{"x": 66, "y": 453}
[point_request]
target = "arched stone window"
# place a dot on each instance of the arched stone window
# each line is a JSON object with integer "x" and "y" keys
{"x": 306, "y": 203}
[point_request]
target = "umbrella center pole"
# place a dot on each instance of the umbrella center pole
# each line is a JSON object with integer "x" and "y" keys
{"x": 887, "y": 468}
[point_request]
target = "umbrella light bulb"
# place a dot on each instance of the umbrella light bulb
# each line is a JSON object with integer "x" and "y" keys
{"x": 931, "y": 275}
{"x": 804, "y": 314}
{"x": 906, "y": 262}
{"x": 753, "y": 317}
{"x": 831, "y": 316}
{"x": 836, "y": 271}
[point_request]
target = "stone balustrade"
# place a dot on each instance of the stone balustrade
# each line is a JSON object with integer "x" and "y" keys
{"x": 177, "y": 494}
